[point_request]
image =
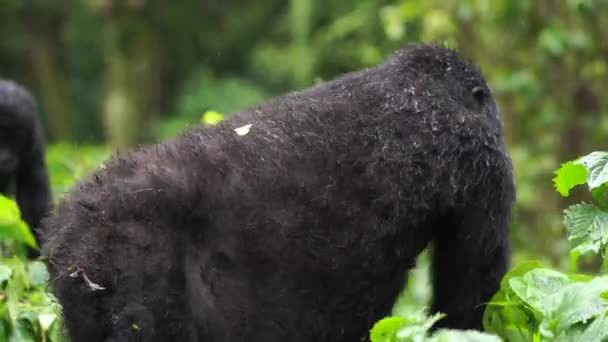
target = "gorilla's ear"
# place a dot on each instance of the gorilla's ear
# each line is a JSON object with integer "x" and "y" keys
{"x": 479, "y": 94}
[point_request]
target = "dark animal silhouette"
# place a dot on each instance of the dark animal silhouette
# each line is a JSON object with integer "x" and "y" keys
{"x": 296, "y": 220}
{"x": 23, "y": 170}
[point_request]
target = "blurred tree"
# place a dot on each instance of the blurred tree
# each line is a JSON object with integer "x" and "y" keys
{"x": 39, "y": 24}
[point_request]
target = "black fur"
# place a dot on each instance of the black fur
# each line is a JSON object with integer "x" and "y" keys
{"x": 302, "y": 229}
{"x": 22, "y": 166}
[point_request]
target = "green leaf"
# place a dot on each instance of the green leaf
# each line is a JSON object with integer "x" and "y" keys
{"x": 519, "y": 271}
{"x": 9, "y": 212}
{"x": 597, "y": 331}
{"x": 568, "y": 176}
{"x": 11, "y": 225}
{"x": 587, "y": 227}
{"x": 396, "y": 329}
{"x": 211, "y": 118}
{"x": 540, "y": 289}
{"x": 446, "y": 335}
{"x": 581, "y": 302}
{"x": 596, "y": 164}
{"x": 5, "y": 273}
{"x": 419, "y": 329}
{"x": 38, "y": 273}
{"x": 386, "y": 329}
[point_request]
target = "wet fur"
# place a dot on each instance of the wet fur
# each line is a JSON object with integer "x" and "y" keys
{"x": 23, "y": 172}
{"x": 304, "y": 228}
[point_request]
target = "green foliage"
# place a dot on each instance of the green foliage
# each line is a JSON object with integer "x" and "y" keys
{"x": 211, "y": 118}
{"x": 586, "y": 224}
{"x": 416, "y": 329}
{"x": 587, "y": 227}
{"x": 591, "y": 169}
{"x": 68, "y": 163}
{"x": 539, "y": 304}
{"x": 536, "y": 303}
{"x": 27, "y": 311}
{"x": 13, "y": 231}
{"x": 543, "y": 304}
{"x": 417, "y": 292}
{"x": 208, "y": 96}
{"x": 569, "y": 176}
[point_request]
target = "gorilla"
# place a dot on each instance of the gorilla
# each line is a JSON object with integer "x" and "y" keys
{"x": 23, "y": 170}
{"x": 296, "y": 220}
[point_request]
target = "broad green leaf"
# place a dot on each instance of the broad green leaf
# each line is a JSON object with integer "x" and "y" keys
{"x": 38, "y": 273}
{"x": 540, "y": 289}
{"x": 11, "y": 224}
{"x": 587, "y": 227}
{"x": 446, "y": 335}
{"x": 419, "y": 330}
{"x": 5, "y": 273}
{"x": 581, "y": 302}
{"x": 386, "y": 329}
{"x": 597, "y": 331}
{"x": 397, "y": 329}
{"x": 9, "y": 212}
{"x": 568, "y": 176}
{"x": 519, "y": 271}
{"x": 596, "y": 164}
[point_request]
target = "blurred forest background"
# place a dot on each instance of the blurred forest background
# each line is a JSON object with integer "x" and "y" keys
{"x": 110, "y": 74}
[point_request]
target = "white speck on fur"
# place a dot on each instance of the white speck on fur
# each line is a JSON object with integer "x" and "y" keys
{"x": 243, "y": 130}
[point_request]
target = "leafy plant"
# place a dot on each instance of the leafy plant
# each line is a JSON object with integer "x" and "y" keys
{"x": 539, "y": 304}
{"x": 416, "y": 329}
{"x": 27, "y": 311}
{"x": 67, "y": 163}
{"x": 536, "y": 303}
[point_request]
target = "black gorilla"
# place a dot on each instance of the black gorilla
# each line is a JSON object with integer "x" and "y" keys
{"x": 296, "y": 220}
{"x": 22, "y": 166}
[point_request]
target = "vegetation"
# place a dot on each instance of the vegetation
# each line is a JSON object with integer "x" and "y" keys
{"x": 536, "y": 303}
{"x": 110, "y": 74}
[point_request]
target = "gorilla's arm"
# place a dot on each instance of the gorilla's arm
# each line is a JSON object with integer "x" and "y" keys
{"x": 471, "y": 251}
{"x": 32, "y": 190}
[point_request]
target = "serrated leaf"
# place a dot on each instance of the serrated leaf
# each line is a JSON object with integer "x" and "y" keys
{"x": 587, "y": 227}
{"x": 568, "y": 176}
{"x": 596, "y": 164}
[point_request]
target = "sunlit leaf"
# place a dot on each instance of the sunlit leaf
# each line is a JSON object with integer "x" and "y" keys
{"x": 386, "y": 329}
{"x": 568, "y": 176}
{"x": 212, "y": 117}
